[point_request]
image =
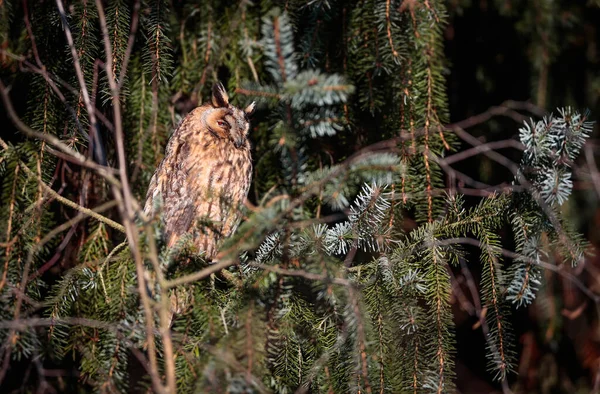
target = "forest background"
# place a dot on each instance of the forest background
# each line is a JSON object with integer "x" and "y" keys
{"x": 409, "y": 143}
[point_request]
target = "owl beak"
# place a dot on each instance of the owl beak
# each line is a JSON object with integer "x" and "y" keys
{"x": 238, "y": 142}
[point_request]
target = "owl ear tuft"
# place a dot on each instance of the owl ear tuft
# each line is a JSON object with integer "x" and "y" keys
{"x": 250, "y": 108}
{"x": 219, "y": 96}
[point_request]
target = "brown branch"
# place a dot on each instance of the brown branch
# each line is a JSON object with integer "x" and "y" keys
{"x": 495, "y": 156}
{"x": 77, "y": 64}
{"x": 257, "y": 93}
{"x": 276, "y": 35}
{"x": 206, "y": 272}
{"x": 64, "y": 200}
{"x": 36, "y": 54}
{"x": 513, "y": 255}
{"x": 361, "y": 337}
{"x": 591, "y": 162}
{"x": 132, "y": 33}
{"x": 501, "y": 364}
{"x": 302, "y": 273}
{"x": 52, "y": 79}
{"x": 11, "y": 211}
{"x": 389, "y": 29}
{"x": 65, "y": 226}
{"x": 128, "y": 214}
{"x": 75, "y": 156}
{"x": 510, "y": 143}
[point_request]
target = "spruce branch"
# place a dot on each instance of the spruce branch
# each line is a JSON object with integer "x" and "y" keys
{"x": 130, "y": 41}
{"x": 128, "y": 214}
{"x": 516, "y": 256}
{"x": 78, "y": 70}
{"x": 63, "y": 200}
{"x": 333, "y": 282}
{"x": 77, "y": 157}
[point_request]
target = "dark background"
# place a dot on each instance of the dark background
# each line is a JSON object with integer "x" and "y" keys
{"x": 490, "y": 61}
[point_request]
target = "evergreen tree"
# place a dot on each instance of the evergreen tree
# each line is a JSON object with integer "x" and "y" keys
{"x": 341, "y": 277}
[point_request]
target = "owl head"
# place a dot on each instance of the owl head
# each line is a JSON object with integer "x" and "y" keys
{"x": 227, "y": 121}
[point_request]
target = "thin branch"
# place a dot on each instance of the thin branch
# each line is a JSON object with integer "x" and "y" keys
{"x": 206, "y": 272}
{"x": 591, "y": 161}
{"x": 52, "y": 80}
{"x": 483, "y": 148}
{"x": 302, "y": 273}
{"x": 66, "y": 201}
{"x": 510, "y": 254}
{"x": 69, "y": 224}
{"x": 128, "y": 214}
{"x": 77, "y": 64}
{"x": 77, "y": 157}
{"x": 493, "y": 155}
{"x": 131, "y": 40}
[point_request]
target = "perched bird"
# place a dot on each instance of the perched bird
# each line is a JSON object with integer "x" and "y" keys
{"x": 205, "y": 174}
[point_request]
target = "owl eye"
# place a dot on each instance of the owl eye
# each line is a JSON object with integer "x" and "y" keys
{"x": 221, "y": 123}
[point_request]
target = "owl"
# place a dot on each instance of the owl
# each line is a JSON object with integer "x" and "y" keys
{"x": 205, "y": 175}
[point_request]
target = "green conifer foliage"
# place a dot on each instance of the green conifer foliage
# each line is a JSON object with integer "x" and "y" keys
{"x": 340, "y": 277}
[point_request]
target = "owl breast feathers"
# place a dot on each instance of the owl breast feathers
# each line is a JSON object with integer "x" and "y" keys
{"x": 205, "y": 175}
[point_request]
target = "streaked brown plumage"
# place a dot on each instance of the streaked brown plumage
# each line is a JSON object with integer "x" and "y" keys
{"x": 205, "y": 174}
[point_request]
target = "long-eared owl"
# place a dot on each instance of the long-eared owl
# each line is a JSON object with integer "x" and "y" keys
{"x": 205, "y": 174}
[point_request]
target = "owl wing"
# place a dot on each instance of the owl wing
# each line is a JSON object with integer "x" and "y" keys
{"x": 170, "y": 185}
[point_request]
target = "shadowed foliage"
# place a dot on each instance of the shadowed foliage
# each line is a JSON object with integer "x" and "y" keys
{"x": 396, "y": 211}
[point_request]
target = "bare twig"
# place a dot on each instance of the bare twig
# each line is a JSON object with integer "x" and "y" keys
{"x": 497, "y": 157}
{"x": 135, "y": 18}
{"x": 66, "y": 201}
{"x": 510, "y": 254}
{"x": 206, "y": 272}
{"x": 302, "y": 273}
{"x": 64, "y": 226}
{"x": 591, "y": 161}
{"x": 77, "y": 64}
{"x": 128, "y": 214}
{"x": 77, "y": 157}
{"x": 483, "y": 148}
{"x": 52, "y": 80}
